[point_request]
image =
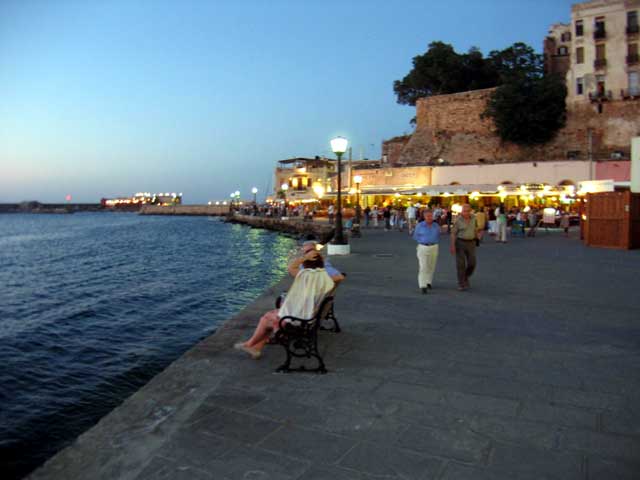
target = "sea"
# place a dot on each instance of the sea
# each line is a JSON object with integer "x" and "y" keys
{"x": 93, "y": 305}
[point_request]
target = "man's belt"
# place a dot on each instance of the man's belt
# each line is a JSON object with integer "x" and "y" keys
{"x": 428, "y": 244}
{"x": 466, "y": 239}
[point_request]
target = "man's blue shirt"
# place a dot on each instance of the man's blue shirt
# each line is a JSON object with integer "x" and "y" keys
{"x": 425, "y": 234}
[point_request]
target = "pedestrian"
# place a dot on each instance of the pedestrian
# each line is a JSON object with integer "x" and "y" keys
{"x": 427, "y": 234}
{"x": 564, "y": 223}
{"x": 481, "y": 220}
{"x": 367, "y": 216}
{"x": 386, "y": 214}
{"x": 501, "y": 224}
{"x": 374, "y": 216}
{"x": 464, "y": 233}
{"x": 411, "y": 218}
{"x": 330, "y": 212}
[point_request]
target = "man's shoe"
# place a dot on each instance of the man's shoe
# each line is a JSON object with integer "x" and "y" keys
{"x": 462, "y": 288}
{"x": 429, "y": 286}
{"x": 424, "y": 291}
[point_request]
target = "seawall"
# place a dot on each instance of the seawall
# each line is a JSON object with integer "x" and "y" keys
{"x": 321, "y": 230}
{"x": 195, "y": 210}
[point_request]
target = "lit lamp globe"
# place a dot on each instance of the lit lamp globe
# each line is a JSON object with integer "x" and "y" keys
{"x": 357, "y": 179}
{"x": 339, "y": 245}
{"x": 254, "y": 190}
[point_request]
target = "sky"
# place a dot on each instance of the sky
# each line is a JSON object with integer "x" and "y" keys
{"x": 103, "y": 98}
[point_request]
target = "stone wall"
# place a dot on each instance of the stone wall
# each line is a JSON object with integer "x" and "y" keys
{"x": 450, "y": 131}
{"x": 322, "y": 231}
{"x": 204, "y": 210}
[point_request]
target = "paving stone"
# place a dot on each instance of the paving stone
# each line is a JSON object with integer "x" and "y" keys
{"x": 559, "y": 415}
{"x": 528, "y": 461}
{"x": 313, "y": 445}
{"x": 459, "y": 444}
{"x": 608, "y": 469}
{"x": 164, "y": 469}
{"x": 623, "y": 422}
{"x": 383, "y": 461}
{"x": 415, "y": 393}
{"x": 195, "y": 449}
{"x": 606, "y": 445}
{"x": 336, "y": 473}
{"x": 457, "y": 471}
{"x": 288, "y": 411}
{"x": 235, "y": 399}
{"x": 481, "y": 403}
{"x": 512, "y": 430}
{"x": 587, "y": 399}
{"x": 257, "y": 464}
{"x": 230, "y": 424}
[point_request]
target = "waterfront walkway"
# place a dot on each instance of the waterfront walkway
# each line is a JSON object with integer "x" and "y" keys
{"x": 532, "y": 374}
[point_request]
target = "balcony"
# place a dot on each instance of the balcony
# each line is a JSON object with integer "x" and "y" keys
{"x": 633, "y": 59}
{"x": 633, "y": 29}
{"x": 600, "y": 96}
{"x": 599, "y": 34}
{"x": 599, "y": 63}
{"x": 630, "y": 94}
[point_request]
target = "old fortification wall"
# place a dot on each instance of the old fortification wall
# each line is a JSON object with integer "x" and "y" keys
{"x": 450, "y": 127}
{"x": 210, "y": 210}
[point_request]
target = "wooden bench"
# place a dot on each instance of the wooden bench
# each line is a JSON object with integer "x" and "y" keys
{"x": 299, "y": 337}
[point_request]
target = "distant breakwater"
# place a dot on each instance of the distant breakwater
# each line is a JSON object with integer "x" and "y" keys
{"x": 322, "y": 231}
{"x": 37, "y": 207}
{"x": 191, "y": 210}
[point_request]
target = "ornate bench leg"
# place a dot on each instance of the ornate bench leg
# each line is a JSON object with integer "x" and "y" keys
{"x": 285, "y": 367}
{"x": 331, "y": 316}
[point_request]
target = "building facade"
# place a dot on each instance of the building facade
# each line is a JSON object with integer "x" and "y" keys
{"x": 604, "y": 64}
{"x": 305, "y": 178}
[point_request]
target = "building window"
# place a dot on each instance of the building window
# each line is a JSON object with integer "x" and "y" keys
{"x": 580, "y": 55}
{"x": 579, "y": 28}
{"x": 632, "y": 54}
{"x": 579, "y": 86}
{"x": 601, "y": 85}
{"x": 632, "y": 22}
{"x": 565, "y": 37}
{"x": 601, "y": 60}
{"x": 563, "y": 51}
{"x": 598, "y": 28}
{"x": 634, "y": 84}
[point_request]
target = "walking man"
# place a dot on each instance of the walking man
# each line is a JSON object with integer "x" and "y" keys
{"x": 427, "y": 234}
{"x": 463, "y": 245}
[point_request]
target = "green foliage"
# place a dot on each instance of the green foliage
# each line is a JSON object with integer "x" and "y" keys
{"x": 528, "y": 110}
{"x": 527, "y": 107}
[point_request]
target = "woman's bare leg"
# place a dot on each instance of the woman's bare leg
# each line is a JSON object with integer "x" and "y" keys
{"x": 263, "y": 330}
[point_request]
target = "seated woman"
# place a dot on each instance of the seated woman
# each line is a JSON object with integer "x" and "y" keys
{"x": 309, "y": 288}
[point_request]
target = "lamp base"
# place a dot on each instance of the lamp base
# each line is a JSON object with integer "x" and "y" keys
{"x": 338, "y": 249}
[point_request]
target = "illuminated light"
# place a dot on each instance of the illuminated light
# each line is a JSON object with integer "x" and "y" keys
{"x": 352, "y": 191}
{"x": 339, "y": 145}
{"x": 224, "y": 203}
{"x": 446, "y": 194}
{"x": 500, "y": 188}
{"x": 209, "y": 203}
{"x": 329, "y": 189}
{"x": 318, "y": 190}
{"x": 546, "y": 188}
{"x": 232, "y": 195}
{"x": 294, "y": 183}
{"x": 441, "y": 160}
{"x": 419, "y": 194}
{"x": 254, "y": 190}
{"x": 284, "y": 187}
{"x": 237, "y": 192}
{"x": 554, "y": 199}
{"x": 240, "y": 203}
{"x": 397, "y": 194}
{"x": 217, "y": 203}
{"x": 540, "y": 194}
{"x": 584, "y": 217}
{"x": 527, "y": 209}
{"x": 357, "y": 179}
{"x": 456, "y": 208}
{"x": 319, "y": 246}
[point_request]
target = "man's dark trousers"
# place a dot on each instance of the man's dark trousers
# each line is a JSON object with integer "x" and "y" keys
{"x": 465, "y": 259}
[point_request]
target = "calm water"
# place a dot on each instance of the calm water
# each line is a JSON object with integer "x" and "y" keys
{"x": 93, "y": 305}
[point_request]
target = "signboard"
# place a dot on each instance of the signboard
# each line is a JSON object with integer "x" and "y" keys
{"x": 595, "y": 186}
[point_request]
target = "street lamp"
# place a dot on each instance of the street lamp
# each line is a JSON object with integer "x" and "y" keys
{"x": 233, "y": 195}
{"x": 254, "y": 190}
{"x": 339, "y": 146}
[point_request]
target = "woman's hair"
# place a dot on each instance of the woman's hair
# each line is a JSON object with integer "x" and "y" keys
{"x": 317, "y": 262}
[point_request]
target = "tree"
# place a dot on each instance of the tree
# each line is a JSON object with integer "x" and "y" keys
{"x": 442, "y": 70}
{"x": 518, "y": 60}
{"x": 528, "y": 109}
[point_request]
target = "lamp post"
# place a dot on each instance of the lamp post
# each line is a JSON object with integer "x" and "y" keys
{"x": 358, "y": 180}
{"x": 233, "y": 195}
{"x": 254, "y": 190}
{"x": 339, "y": 146}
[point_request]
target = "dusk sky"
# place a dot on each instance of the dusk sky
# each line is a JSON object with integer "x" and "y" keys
{"x": 105, "y": 98}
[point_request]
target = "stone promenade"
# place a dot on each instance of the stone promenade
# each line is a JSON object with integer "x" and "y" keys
{"x": 532, "y": 374}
